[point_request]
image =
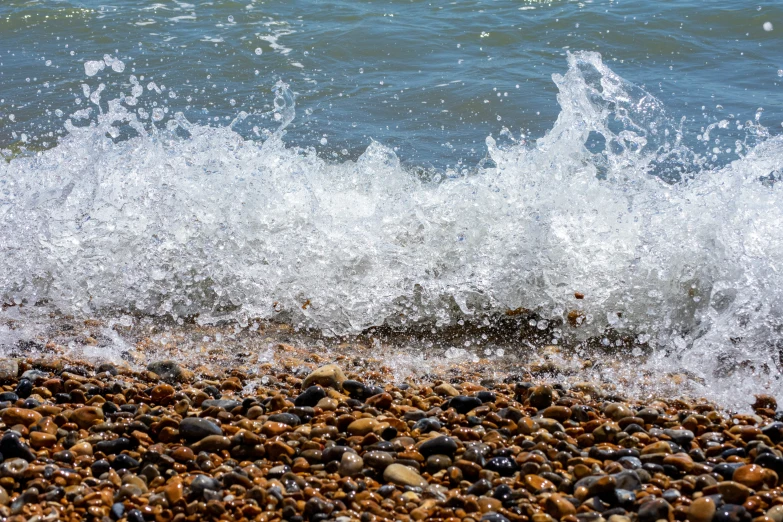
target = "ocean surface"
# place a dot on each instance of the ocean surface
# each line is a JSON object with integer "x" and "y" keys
{"x": 598, "y": 173}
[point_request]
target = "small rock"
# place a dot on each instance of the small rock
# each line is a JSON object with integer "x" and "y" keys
{"x": 733, "y": 492}
{"x": 87, "y": 416}
{"x": 657, "y": 509}
{"x": 350, "y": 464}
{"x": 701, "y": 510}
{"x": 751, "y": 475}
{"x": 362, "y": 426}
{"x": 168, "y": 370}
{"x": 13, "y": 416}
{"x": 12, "y": 447}
{"x": 404, "y": 476}
{"x": 310, "y": 397}
{"x": 329, "y": 376}
{"x": 196, "y": 428}
{"x": 442, "y": 445}
{"x": 9, "y": 370}
{"x": 446, "y": 389}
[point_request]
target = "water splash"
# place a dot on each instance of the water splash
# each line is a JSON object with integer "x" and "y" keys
{"x": 159, "y": 216}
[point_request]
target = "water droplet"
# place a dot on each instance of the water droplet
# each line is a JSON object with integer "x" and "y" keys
{"x": 230, "y": 19}
{"x": 768, "y": 26}
{"x": 323, "y": 141}
{"x": 259, "y": 51}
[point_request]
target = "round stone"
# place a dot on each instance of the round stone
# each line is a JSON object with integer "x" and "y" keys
{"x": 350, "y": 464}
{"x": 196, "y": 428}
{"x": 329, "y": 376}
{"x": 701, "y": 510}
{"x": 404, "y": 476}
{"x": 750, "y": 475}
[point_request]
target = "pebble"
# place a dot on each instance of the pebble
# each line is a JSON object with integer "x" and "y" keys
{"x": 168, "y": 370}
{"x": 196, "y": 428}
{"x": 350, "y": 464}
{"x": 312, "y": 444}
{"x": 702, "y": 510}
{"x": 329, "y": 376}
{"x": 403, "y": 476}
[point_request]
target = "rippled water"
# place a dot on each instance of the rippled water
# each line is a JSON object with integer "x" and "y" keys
{"x": 606, "y": 171}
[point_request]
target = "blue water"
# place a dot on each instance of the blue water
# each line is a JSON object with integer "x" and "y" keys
{"x": 430, "y": 80}
{"x": 610, "y": 169}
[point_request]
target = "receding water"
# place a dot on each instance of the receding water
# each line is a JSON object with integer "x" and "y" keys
{"x": 610, "y": 169}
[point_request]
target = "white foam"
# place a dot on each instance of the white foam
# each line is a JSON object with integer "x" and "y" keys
{"x": 220, "y": 226}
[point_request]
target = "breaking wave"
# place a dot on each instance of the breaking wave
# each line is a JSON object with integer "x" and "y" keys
{"x": 609, "y": 221}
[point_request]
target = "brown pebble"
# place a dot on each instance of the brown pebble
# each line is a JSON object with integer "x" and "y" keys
{"x": 174, "y": 490}
{"x": 362, "y": 427}
{"x": 161, "y": 392}
{"x": 701, "y": 510}
{"x": 750, "y": 475}
{"x": 86, "y": 416}
{"x": 13, "y": 416}
{"x": 273, "y": 429}
{"x": 733, "y": 492}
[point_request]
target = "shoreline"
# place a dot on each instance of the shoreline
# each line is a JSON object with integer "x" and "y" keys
{"x": 315, "y": 434}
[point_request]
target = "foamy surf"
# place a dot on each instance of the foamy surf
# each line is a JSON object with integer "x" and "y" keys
{"x": 608, "y": 223}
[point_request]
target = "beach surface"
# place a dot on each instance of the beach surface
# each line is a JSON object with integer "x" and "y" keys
{"x": 280, "y": 425}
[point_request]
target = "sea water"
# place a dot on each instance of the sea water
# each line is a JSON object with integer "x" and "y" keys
{"x": 608, "y": 170}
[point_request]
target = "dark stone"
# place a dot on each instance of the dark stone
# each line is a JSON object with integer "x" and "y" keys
{"x": 654, "y": 510}
{"x": 310, "y": 396}
{"x": 305, "y": 413}
{"x": 316, "y": 506}
{"x": 223, "y": 404}
{"x": 634, "y": 428}
{"x": 107, "y": 367}
{"x": 740, "y": 452}
{"x": 335, "y": 453}
{"x": 99, "y": 467}
{"x": 774, "y": 431}
{"x": 493, "y": 517}
{"x": 124, "y": 461}
{"x": 627, "y": 480}
{"x": 414, "y": 415}
{"x": 64, "y": 456}
{"x": 671, "y": 495}
{"x": 134, "y": 515}
{"x": 202, "y": 482}
{"x": 389, "y": 433}
{"x": 8, "y": 396}
{"x": 442, "y": 445}
{"x": 113, "y": 447}
{"x": 480, "y": 487}
{"x": 11, "y": 447}
{"x": 109, "y": 407}
{"x": 766, "y": 460}
{"x": 286, "y": 418}
{"x": 212, "y": 392}
{"x": 169, "y": 371}
{"x": 486, "y": 396}
{"x": 233, "y": 477}
{"x": 727, "y": 469}
{"x": 24, "y": 388}
{"x": 630, "y": 462}
{"x": 503, "y": 493}
{"x": 427, "y": 424}
{"x": 196, "y": 428}
{"x": 502, "y": 465}
{"x": 731, "y": 513}
{"x": 462, "y": 404}
{"x": 386, "y": 490}
{"x": 30, "y": 404}
{"x": 681, "y": 437}
{"x": 354, "y": 389}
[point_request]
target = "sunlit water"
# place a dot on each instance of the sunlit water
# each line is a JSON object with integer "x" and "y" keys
{"x": 608, "y": 169}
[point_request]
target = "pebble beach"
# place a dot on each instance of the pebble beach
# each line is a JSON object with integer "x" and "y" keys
{"x": 314, "y": 434}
